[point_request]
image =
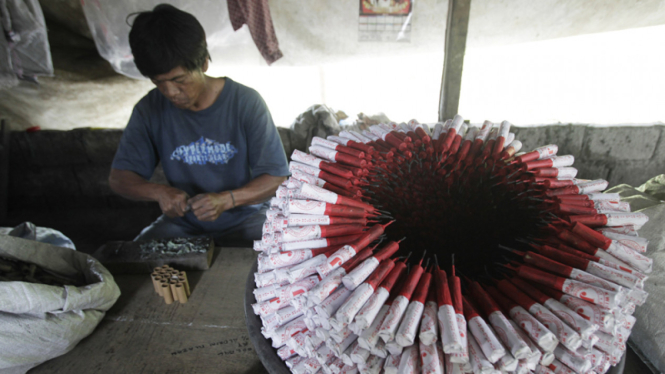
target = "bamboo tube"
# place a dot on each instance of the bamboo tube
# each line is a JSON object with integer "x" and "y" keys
{"x": 155, "y": 282}
{"x": 182, "y": 294}
{"x": 166, "y": 291}
{"x": 184, "y": 280}
{"x": 172, "y": 284}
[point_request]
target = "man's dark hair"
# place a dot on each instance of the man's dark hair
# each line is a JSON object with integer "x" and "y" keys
{"x": 165, "y": 38}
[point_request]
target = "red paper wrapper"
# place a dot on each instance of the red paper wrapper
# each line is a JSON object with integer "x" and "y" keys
{"x": 442, "y": 290}
{"x": 411, "y": 281}
{"x": 533, "y": 292}
{"x": 381, "y": 272}
{"x": 389, "y": 282}
{"x": 423, "y": 288}
{"x": 592, "y": 236}
{"x": 506, "y": 304}
{"x": 469, "y": 310}
{"x": 388, "y": 250}
{"x": 509, "y": 290}
{"x": 592, "y": 220}
{"x": 483, "y": 300}
{"x": 455, "y": 292}
{"x": 547, "y": 264}
{"x": 339, "y": 230}
{"x": 577, "y": 242}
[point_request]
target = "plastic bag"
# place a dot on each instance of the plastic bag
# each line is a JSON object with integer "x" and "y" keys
{"x": 650, "y": 324}
{"x": 28, "y": 230}
{"x": 110, "y": 28}
{"x": 39, "y": 322}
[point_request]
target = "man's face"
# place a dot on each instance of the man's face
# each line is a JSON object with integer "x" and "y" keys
{"x": 180, "y": 86}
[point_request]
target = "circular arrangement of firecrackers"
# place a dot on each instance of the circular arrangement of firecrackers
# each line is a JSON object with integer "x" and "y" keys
{"x": 410, "y": 248}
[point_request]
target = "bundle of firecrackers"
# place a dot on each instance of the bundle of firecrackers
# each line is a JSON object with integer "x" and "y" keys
{"x": 171, "y": 284}
{"x": 20, "y": 271}
{"x": 410, "y": 248}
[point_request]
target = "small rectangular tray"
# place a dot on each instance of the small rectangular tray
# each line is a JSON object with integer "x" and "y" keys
{"x": 121, "y": 257}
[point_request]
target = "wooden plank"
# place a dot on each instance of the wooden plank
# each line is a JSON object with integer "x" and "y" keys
{"x": 141, "y": 334}
{"x": 453, "y": 60}
{"x": 4, "y": 169}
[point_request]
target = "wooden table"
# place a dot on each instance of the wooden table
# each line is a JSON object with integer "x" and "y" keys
{"x": 141, "y": 334}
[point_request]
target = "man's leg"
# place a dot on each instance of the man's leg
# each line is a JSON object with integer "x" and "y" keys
{"x": 245, "y": 233}
{"x": 165, "y": 227}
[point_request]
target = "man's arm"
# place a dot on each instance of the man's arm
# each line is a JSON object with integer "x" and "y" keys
{"x": 172, "y": 201}
{"x": 208, "y": 206}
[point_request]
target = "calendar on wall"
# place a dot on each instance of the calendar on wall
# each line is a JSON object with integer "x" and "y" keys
{"x": 385, "y": 20}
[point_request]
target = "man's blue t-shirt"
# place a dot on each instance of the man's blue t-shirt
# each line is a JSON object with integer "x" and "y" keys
{"x": 219, "y": 148}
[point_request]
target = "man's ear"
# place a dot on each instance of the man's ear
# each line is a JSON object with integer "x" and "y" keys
{"x": 204, "y": 68}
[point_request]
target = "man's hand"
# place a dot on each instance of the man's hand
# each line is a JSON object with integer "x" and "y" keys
{"x": 173, "y": 202}
{"x": 208, "y": 206}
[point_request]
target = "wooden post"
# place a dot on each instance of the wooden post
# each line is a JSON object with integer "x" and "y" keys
{"x": 457, "y": 27}
{"x": 4, "y": 169}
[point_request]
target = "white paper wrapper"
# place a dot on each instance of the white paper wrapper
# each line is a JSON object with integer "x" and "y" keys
{"x": 368, "y": 312}
{"x": 313, "y": 343}
{"x": 380, "y": 349}
{"x": 624, "y": 219}
{"x": 391, "y": 322}
{"x": 300, "y": 233}
{"x": 297, "y": 342}
{"x": 450, "y": 333}
{"x": 430, "y": 359}
{"x": 461, "y": 357}
{"x": 302, "y": 177}
{"x": 336, "y": 260}
{"x": 547, "y": 151}
{"x": 507, "y": 334}
{"x": 592, "y": 186}
{"x": 572, "y": 318}
{"x": 409, "y": 362}
{"x": 479, "y": 362}
{"x": 566, "y": 335}
{"x": 408, "y": 328}
{"x": 391, "y": 365}
{"x": 283, "y": 333}
{"x": 334, "y": 367}
{"x": 339, "y": 348}
{"x": 428, "y": 333}
{"x": 285, "y": 352}
{"x": 592, "y": 294}
{"x": 369, "y": 337}
{"x": 562, "y": 161}
{"x": 485, "y": 338}
{"x": 309, "y": 365}
{"x": 359, "y": 355}
{"x": 330, "y": 305}
{"x": 287, "y": 314}
{"x": 282, "y": 259}
{"x": 534, "y": 329}
{"x": 507, "y": 363}
{"x": 373, "y": 365}
{"x": 393, "y": 348}
{"x": 617, "y": 276}
{"x": 593, "y": 313}
{"x": 543, "y": 370}
{"x": 360, "y": 273}
{"x": 346, "y": 356}
{"x": 535, "y": 355}
{"x": 571, "y": 360}
{"x": 630, "y": 256}
{"x": 326, "y": 287}
{"x": 453, "y": 367}
{"x": 352, "y": 305}
{"x": 340, "y": 336}
{"x": 304, "y": 269}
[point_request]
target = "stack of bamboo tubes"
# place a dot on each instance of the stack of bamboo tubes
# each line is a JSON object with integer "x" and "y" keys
{"x": 170, "y": 284}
